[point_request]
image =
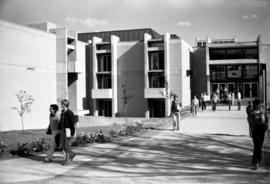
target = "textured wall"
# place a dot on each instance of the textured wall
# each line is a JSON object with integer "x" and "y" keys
{"x": 27, "y": 62}
{"x": 131, "y": 69}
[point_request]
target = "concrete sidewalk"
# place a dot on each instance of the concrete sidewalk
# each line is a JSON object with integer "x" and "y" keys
{"x": 213, "y": 147}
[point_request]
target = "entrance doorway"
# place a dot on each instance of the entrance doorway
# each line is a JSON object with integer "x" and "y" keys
{"x": 105, "y": 108}
{"x": 231, "y": 87}
{"x": 156, "y": 107}
{"x": 219, "y": 88}
{"x": 250, "y": 90}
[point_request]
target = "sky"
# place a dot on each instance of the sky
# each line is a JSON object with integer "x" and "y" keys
{"x": 189, "y": 19}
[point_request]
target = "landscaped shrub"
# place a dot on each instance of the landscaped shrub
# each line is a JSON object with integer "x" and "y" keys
{"x": 112, "y": 133}
{"x": 100, "y": 137}
{"x": 39, "y": 146}
{"x": 3, "y": 148}
{"x": 22, "y": 150}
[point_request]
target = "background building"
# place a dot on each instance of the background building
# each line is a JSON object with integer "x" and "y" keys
{"x": 149, "y": 64}
{"x": 227, "y": 65}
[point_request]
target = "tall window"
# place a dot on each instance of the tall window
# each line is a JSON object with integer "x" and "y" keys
{"x": 104, "y": 81}
{"x": 104, "y": 63}
{"x": 218, "y": 72}
{"x": 156, "y": 80}
{"x": 156, "y": 61}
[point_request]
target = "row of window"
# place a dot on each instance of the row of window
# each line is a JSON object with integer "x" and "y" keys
{"x": 230, "y": 72}
{"x": 233, "y": 53}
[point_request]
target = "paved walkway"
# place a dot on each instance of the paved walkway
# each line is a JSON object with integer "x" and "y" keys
{"x": 221, "y": 155}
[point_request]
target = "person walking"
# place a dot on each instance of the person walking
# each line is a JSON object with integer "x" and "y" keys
{"x": 239, "y": 100}
{"x": 204, "y": 102}
{"x": 175, "y": 112}
{"x": 249, "y": 109}
{"x": 229, "y": 97}
{"x": 67, "y": 122}
{"x": 259, "y": 125}
{"x": 53, "y": 131}
{"x": 195, "y": 104}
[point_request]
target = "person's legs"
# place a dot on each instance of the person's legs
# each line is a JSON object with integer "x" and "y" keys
{"x": 177, "y": 121}
{"x": 174, "y": 122}
{"x": 52, "y": 147}
{"x": 239, "y": 105}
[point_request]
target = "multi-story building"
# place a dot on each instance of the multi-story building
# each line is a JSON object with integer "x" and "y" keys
{"x": 152, "y": 66}
{"x": 47, "y": 63}
{"x": 227, "y": 65}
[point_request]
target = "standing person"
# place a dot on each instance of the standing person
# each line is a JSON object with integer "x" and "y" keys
{"x": 175, "y": 112}
{"x": 204, "y": 102}
{"x": 249, "y": 109}
{"x": 239, "y": 100}
{"x": 195, "y": 104}
{"x": 67, "y": 122}
{"x": 53, "y": 126}
{"x": 259, "y": 125}
{"x": 214, "y": 101}
{"x": 230, "y": 100}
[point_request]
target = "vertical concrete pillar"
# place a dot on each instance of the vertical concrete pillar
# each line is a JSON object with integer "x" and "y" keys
{"x": 95, "y": 69}
{"x": 114, "y": 42}
{"x": 147, "y": 37}
{"x": 61, "y": 63}
{"x": 207, "y": 67}
{"x": 167, "y": 72}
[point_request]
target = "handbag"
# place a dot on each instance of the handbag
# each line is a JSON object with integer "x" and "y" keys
{"x": 49, "y": 130}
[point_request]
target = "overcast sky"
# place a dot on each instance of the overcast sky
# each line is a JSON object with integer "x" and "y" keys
{"x": 244, "y": 19}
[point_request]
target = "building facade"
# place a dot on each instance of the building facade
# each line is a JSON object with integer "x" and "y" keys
{"x": 227, "y": 65}
{"x": 150, "y": 65}
{"x": 45, "y": 61}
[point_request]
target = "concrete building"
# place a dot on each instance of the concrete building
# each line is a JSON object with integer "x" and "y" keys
{"x": 151, "y": 65}
{"x": 47, "y": 62}
{"x": 227, "y": 65}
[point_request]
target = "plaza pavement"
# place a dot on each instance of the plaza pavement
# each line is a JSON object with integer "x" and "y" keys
{"x": 213, "y": 147}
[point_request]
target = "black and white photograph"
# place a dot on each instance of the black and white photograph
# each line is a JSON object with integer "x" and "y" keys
{"x": 134, "y": 91}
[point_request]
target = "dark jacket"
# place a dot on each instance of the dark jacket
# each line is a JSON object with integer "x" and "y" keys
{"x": 67, "y": 120}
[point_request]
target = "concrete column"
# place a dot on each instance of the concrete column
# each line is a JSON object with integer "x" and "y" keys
{"x": 114, "y": 42}
{"x": 167, "y": 72}
{"x": 147, "y": 37}
{"x": 207, "y": 67}
{"x": 95, "y": 69}
{"x": 61, "y": 63}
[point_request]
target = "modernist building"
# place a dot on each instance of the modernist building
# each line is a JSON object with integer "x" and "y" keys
{"x": 151, "y": 65}
{"x": 48, "y": 63}
{"x": 232, "y": 66}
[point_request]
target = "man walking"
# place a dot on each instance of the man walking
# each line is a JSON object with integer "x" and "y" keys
{"x": 239, "y": 100}
{"x": 175, "y": 112}
{"x": 67, "y": 122}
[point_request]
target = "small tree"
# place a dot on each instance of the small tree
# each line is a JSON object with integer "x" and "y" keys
{"x": 126, "y": 97}
{"x": 25, "y": 102}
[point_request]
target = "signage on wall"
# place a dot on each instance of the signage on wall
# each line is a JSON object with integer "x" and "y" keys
{"x": 234, "y": 74}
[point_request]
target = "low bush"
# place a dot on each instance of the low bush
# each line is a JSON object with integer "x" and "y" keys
{"x": 3, "y": 148}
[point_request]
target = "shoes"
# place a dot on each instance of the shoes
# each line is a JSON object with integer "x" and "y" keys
{"x": 72, "y": 156}
{"x": 256, "y": 166}
{"x": 65, "y": 163}
{"x": 47, "y": 160}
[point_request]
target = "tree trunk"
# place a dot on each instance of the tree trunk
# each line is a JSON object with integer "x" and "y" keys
{"x": 22, "y": 124}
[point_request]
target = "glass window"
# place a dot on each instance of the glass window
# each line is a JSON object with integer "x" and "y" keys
{"x": 156, "y": 80}
{"x": 218, "y": 73}
{"x": 156, "y": 61}
{"x": 216, "y": 54}
{"x": 104, "y": 63}
{"x": 234, "y": 54}
{"x": 104, "y": 81}
{"x": 234, "y": 71}
{"x": 251, "y": 53}
{"x": 250, "y": 71}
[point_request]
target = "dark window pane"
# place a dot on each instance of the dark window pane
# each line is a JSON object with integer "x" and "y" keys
{"x": 234, "y": 54}
{"x": 217, "y": 54}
